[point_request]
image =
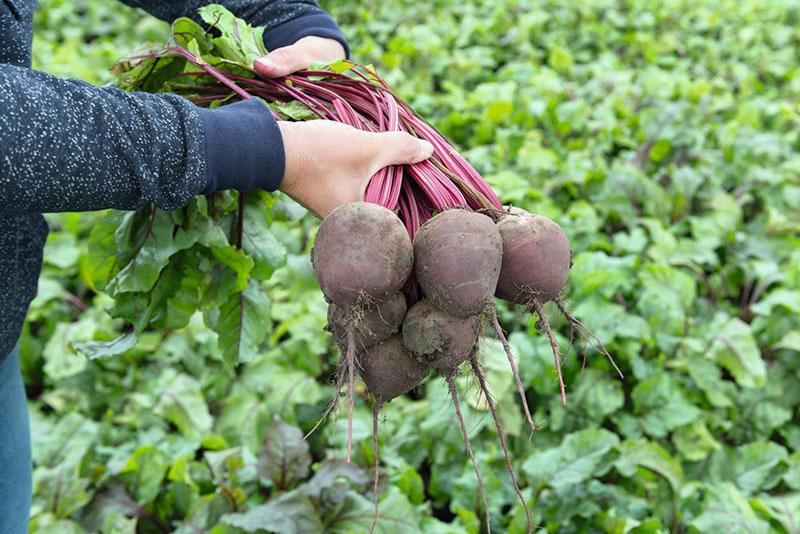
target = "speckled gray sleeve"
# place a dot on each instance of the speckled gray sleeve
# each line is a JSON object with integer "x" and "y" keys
{"x": 282, "y": 18}
{"x": 68, "y": 146}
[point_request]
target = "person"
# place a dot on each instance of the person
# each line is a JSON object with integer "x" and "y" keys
{"x": 68, "y": 146}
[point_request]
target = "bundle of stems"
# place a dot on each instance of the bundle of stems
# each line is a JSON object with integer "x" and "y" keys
{"x": 359, "y": 97}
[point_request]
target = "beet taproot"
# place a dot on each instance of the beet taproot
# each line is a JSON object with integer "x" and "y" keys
{"x": 536, "y": 258}
{"x": 437, "y": 339}
{"x": 389, "y": 370}
{"x": 362, "y": 254}
{"x": 458, "y": 255}
{"x": 370, "y": 324}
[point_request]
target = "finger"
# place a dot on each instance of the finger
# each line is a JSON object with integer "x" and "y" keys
{"x": 399, "y": 148}
{"x": 283, "y": 61}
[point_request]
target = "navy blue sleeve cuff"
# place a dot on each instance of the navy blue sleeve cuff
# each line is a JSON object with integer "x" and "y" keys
{"x": 317, "y": 25}
{"x": 244, "y": 147}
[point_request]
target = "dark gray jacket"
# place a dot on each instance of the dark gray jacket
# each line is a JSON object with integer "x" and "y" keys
{"x": 68, "y": 146}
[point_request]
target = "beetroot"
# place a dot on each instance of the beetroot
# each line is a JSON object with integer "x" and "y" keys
{"x": 362, "y": 254}
{"x": 371, "y": 325}
{"x": 536, "y": 264}
{"x": 437, "y": 339}
{"x": 389, "y": 370}
{"x": 458, "y": 257}
{"x": 536, "y": 258}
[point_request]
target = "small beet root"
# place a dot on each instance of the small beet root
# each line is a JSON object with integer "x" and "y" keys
{"x": 370, "y": 324}
{"x": 389, "y": 370}
{"x": 437, "y": 339}
{"x": 458, "y": 255}
{"x": 362, "y": 253}
{"x": 536, "y": 258}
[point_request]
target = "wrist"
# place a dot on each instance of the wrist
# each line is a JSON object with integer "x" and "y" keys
{"x": 292, "y": 182}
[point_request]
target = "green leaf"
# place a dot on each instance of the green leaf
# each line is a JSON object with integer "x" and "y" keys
{"x": 752, "y": 467}
{"x": 150, "y": 257}
{"x": 143, "y": 473}
{"x": 791, "y": 341}
{"x": 290, "y": 513}
{"x": 735, "y": 348}
{"x": 105, "y": 349}
{"x": 182, "y": 404}
{"x": 238, "y": 41}
{"x": 662, "y": 405}
{"x": 651, "y": 456}
{"x": 335, "y": 477}
{"x": 284, "y": 457}
{"x": 243, "y": 324}
{"x": 65, "y": 442}
{"x": 580, "y": 456}
{"x": 185, "y": 31}
{"x": 725, "y": 507}
{"x": 695, "y": 442}
{"x": 238, "y": 262}
{"x": 258, "y": 241}
{"x": 61, "y": 489}
{"x": 395, "y": 512}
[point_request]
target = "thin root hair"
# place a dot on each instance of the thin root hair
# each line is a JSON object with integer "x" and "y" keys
{"x": 553, "y": 345}
{"x": 476, "y": 369}
{"x": 454, "y": 395}
{"x": 514, "y": 371}
{"x": 576, "y": 324}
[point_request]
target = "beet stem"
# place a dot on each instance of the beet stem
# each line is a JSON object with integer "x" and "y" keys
{"x": 454, "y": 394}
{"x": 575, "y": 323}
{"x": 375, "y": 408}
{"x": 351, "y": 375}
{"x": 553, "y": 345}
{"x": 510, "y": 355}
{"x": 476, "y": 368}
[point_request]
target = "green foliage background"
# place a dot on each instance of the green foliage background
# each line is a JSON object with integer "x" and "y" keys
{"x": 663, "y": 136}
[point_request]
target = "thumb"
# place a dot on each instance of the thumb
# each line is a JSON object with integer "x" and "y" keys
{"x": 282, "y": 62}
{"x": 399, "y": 148}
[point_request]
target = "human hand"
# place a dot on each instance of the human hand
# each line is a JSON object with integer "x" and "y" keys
{"x": 329, "y": 163}
{"x": 298, "y": 56}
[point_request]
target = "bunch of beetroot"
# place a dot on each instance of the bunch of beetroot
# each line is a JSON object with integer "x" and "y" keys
{"x": 458, "y": 262}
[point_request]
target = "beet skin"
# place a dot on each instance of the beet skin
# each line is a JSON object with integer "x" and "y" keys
{"x": 536, "y": 258}
{"x": 362, "y": 254}
{"x": 457, "y": 261}
{"x": 389, "y": 370}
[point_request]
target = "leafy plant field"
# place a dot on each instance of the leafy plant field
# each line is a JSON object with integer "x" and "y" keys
{"x": 662, "y": 136}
